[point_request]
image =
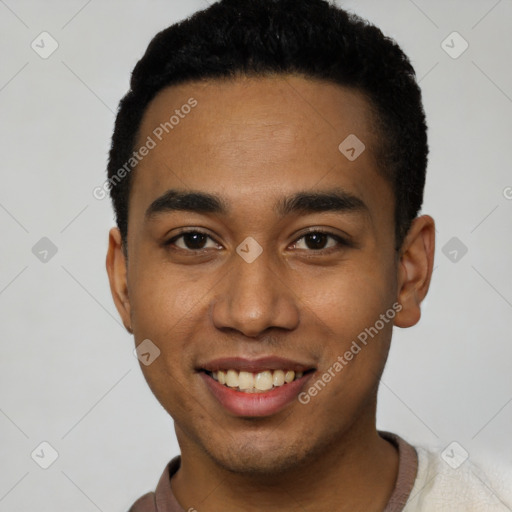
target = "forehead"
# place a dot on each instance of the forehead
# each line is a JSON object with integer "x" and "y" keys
{"x": 249, "y": 137}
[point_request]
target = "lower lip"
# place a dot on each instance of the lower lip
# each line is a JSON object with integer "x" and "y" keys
{"x": 255, "y": 404}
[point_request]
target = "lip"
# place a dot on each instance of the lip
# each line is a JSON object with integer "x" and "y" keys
{"x": 255, "y": 365}
{"x": 254, "y": 405}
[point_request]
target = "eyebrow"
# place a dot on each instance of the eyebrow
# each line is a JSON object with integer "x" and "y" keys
{"x": 332, "y": 200}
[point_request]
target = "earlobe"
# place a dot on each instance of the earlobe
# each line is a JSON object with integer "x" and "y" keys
{"x": 415, "y": 267}
{"x": 117, "y": 275}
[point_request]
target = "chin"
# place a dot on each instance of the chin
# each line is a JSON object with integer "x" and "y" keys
{"x": 253, "y": 462}
{"x": 261, "y": 457}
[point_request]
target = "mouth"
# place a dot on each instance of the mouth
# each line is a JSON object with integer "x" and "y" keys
{"x": 252, "y": 382}
{"x": 255, "y": 388}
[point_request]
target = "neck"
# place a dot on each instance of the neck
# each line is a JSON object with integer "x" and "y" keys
{"x": 357, "y": 473}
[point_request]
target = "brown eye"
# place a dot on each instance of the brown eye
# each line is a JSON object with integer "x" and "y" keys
{"x": 316, "y": 240}
{"x": 191, "y": 241}
{"x": 319, "y": 240}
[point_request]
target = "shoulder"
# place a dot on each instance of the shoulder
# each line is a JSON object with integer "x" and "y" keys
{"x": 146, "y": 503}
{"x": 449, "y": 481}
{"x": 162, "y": 495}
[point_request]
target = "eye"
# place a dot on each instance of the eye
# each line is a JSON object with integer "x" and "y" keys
{"x": 192, "y": 241}
{"x": 315, "y": 241}
{"x": 320, "y": 241}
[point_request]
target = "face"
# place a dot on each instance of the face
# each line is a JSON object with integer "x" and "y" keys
{"x": 256, "y": 246}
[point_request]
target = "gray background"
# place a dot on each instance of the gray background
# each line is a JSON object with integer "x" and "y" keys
{"x": 67, "y": 372}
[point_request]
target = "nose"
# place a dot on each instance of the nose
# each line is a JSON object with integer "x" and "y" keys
{"x": 254, "y": 297}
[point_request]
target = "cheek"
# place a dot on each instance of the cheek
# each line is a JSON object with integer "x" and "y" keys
{"x": 347, "y": 302}
{"x": 348, "y": 309}
{"x": 169, "y": 375}
{"x": 165, "y": 310}
{"x": 162, "y": 299}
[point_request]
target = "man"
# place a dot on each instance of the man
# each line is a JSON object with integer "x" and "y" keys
{"x": 267, "y": 170}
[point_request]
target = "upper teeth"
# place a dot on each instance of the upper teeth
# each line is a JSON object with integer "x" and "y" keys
{"x": 261, "y": 381}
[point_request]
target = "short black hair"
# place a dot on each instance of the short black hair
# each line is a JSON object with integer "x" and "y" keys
{"x": 310, "y": 38}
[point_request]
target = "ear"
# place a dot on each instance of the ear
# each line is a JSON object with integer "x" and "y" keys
{"x": 117, "y": 276}
{"x": 415, "y": 265}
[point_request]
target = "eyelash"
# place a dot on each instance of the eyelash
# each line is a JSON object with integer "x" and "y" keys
{"x": 341, "y": 241}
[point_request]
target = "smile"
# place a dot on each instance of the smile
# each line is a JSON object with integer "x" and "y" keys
{"x": 251, "y": 382}
{"x": 254, "y": 388}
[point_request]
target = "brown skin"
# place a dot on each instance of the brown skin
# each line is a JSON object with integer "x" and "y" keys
{"x": 252, "y": 141}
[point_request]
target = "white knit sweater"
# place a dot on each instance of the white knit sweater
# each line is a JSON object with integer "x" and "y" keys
{"x": 468, "y": 488}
